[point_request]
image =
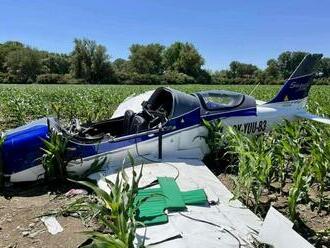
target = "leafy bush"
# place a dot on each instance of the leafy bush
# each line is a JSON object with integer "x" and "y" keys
{"x": 53, "y": 78}
{"x": 3, "y": 78}
{"x": 172, "y": 77}
{"x": 222, "y": 78}
{"x": 322, "y": 81}
{"x": 135, "y": 78}
{"x": 50, "y": 78}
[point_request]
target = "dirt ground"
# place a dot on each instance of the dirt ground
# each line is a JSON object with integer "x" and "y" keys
{"x": 20, "y": 224}
{"x": 22, "y": 207}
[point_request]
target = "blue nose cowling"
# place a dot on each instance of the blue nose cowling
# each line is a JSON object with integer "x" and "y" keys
{"x": 21, "y": 149}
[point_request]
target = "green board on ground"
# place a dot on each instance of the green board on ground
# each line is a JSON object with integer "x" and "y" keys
{"x": 174, "y": 199}
{"x": 153, "y": 202}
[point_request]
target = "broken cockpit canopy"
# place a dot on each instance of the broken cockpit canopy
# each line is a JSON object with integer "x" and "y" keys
{"x": 175, "y": 103}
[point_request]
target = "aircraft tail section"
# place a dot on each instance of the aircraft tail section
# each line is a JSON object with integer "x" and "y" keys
{"x": 300, "y": 81}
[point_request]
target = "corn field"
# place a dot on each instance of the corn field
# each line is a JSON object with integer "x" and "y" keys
{"x": 291, "y": 163}
{"x": 22, "y": 103}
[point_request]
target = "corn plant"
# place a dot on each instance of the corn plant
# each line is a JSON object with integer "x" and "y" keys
{"x": 215, "y": 138}
{"x": 279, "y": 156}
{"x": 254, "y": 167}
{"x": 33, "y": 101}
{"x": 19, "y": 111}
{"x": 287, "y": 149}
{"x": 320, "y": 153}
{"x": 298, "y": 191}
{"x": 53, "y": 160}
{"x": 218, "y": 143}
{"x": 240, "y": 145}
{"x": 116, "y": 211}
{"x": 56, "y": 108}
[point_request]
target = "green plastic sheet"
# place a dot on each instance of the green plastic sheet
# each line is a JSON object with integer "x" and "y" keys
{"x": 153, "y": 202}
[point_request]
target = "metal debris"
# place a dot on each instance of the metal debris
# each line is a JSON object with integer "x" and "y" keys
{"x": 74, "y": 192}
{"x": 52, "y": 224}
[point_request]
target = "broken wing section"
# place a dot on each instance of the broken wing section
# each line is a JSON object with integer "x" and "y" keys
{"x": 309, "y": 116}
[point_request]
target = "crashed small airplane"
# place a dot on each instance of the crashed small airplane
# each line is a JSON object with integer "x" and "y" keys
{"x": 161, "y": 123}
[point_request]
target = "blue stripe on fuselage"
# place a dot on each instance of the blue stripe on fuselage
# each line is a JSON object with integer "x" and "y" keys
{"x": 87, "y": 150}
{"x": 241, "y": 112}
{"x": 185, "y": 121}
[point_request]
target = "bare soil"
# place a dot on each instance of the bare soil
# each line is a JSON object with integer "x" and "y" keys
{"x": 20, "y": 224}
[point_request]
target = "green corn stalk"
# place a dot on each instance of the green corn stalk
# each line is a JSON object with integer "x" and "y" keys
{"x": 320, "y": 152}
{"x": 279, "y": 157}
{"x": 53, "y": 160}
{"x": 218, "y": 143}
{"x": 255, "y": 168}
{"x": 298, "y": 191}
{"x": 244, "y": 183}
{"x": 287, "y": 149}
{"x": 19, "y": 110}
{"x": 116, "y": 211}
{"x": 57, "y": 109}
{"x": 215, "y": 131}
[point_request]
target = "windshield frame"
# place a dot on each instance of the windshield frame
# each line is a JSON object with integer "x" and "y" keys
{"x": 237, "y": 103}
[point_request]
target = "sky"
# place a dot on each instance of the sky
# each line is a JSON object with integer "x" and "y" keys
{"x": 249, "y": 31}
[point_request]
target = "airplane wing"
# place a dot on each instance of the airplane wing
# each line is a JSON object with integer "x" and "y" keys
{"x": 313, "y": 117}
{"x": 206, "y": 225}
{"x": 189, "y": 226}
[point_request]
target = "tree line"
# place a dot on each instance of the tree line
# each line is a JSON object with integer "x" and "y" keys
{"x": 179, "y": 63}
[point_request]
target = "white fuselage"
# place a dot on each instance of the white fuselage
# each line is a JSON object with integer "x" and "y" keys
{"x": 180, "y": 144}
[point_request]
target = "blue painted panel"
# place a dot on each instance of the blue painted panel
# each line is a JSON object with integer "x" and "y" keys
{"x": 294, "y": 89}
{"x": 235, "y": 113}
{"x": 22, "y": 149}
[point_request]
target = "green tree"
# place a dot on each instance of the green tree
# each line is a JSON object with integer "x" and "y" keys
{"x": 23, "y": 65}
{"x": 6, "y": 48}
{"x": 55, "y": 63}
{"x": 242, "y": 70}
{"x": 324, "y": 67}
{"x": 288, "y": 61}
{"x": 101, "y": 70}
{"x": 90, "y": 62}
{"x": 121, "y": 65}
{"x": 146, "y": 59}
{"x": 272, "y": 69}
{"x": 183, "y": 58}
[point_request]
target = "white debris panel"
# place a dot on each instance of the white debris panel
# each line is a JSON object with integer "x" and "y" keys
{"x": 225, "y": 224}
{"x": 277, "y": 231}
{"x": 52, "y": 224}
